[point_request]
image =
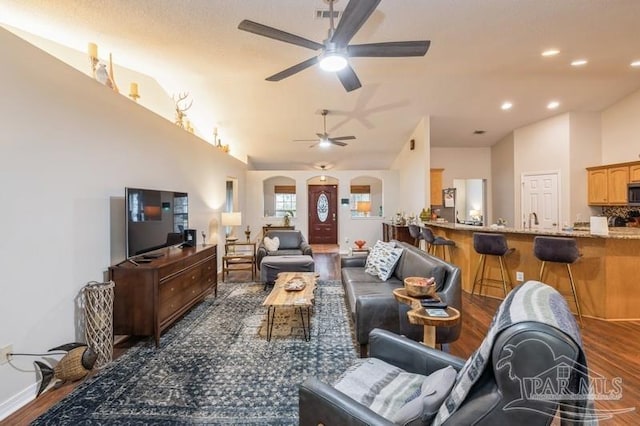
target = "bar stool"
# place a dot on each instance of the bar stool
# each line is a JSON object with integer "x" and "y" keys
{"x": 489, "y": 244}
{"x": 414, "y": 231}
{"x": 558, "y": 250}
{"x": 434, "y": 242}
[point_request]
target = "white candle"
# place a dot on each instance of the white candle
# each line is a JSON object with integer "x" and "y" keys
{"x": 133, "y": 90}
{"x": 93, "y": 50}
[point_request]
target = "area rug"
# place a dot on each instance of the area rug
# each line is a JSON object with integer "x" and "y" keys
{"x": 215, "y": 367}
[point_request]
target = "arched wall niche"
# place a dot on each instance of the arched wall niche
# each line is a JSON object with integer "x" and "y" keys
{"x": 279, "y": 196}
{"x": 363, "y": 190}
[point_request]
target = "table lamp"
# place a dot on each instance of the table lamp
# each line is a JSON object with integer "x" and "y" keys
{"x": 229, "y": 220}
{"x": 363, "y": 207}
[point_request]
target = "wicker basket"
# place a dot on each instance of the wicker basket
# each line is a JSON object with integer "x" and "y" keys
{"x": 98, "y": 308}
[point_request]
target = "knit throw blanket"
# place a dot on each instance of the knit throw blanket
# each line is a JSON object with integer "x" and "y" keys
{"x": 531, "y": 301}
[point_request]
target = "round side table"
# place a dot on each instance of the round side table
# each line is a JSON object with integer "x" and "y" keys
{"x": 418, "y": 315}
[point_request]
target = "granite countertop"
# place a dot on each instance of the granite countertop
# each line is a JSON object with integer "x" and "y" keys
{"x": 614, "y": 232}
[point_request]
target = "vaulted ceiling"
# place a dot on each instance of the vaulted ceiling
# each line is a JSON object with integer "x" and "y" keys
{"x": 482, "y": 53}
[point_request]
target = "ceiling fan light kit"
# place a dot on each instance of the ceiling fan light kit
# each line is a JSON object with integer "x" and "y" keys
{"x": 324, "y": 140}
{"x": 333, "y": 61}
{"x": 336, "y": 50}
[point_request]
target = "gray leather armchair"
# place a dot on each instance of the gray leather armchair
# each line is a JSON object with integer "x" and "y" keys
{"x": 292, "y": 242}
{"x": 502, "y": 393}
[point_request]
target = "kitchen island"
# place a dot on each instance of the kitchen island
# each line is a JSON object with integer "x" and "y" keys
{"x": 607, "y": 275}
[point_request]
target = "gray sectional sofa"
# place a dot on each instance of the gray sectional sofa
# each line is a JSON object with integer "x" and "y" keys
{"x": 371, "y": 302}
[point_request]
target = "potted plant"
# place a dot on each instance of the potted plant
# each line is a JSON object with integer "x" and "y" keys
{"x": 287, "y": 217}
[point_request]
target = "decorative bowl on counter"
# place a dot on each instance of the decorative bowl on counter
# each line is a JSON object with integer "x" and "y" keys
{"x": 420, "y": 287}
{"x": 360, "y": 243}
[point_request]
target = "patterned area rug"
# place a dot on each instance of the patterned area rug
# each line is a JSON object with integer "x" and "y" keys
{"x": 216, "y": 367}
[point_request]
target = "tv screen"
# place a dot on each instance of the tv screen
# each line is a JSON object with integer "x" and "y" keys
{"x": 155, "y": 219}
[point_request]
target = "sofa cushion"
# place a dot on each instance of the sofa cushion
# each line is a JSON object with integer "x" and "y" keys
{"x": 416, "y": 263}
{"x": 271, "y": 244}
{"x": 289, "y": 239}
{"x": 393, "y": 393}
{"x": 382, "y": 260}
{"x": 434, "y": 390}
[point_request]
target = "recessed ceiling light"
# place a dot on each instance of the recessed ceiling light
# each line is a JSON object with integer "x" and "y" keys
{"x": 635, "y": 64}
{"x": 553, "y": 105}
{"x": 550, "y": 52}
{"x": 506, "y": 105}
{"x": 579, "y": 62}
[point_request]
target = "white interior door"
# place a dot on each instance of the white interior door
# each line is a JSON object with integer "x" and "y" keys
{"x": 540, "y": 196}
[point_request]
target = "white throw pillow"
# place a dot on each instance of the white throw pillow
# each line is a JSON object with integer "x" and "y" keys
{"x": 378, "y": 250}
{"x": 271, "y": 244}
{"x": 382, "y": 260}
{"x": 388, "y": 263}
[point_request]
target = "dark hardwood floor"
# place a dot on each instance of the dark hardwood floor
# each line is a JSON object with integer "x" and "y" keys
{"x": 613, "y": 349}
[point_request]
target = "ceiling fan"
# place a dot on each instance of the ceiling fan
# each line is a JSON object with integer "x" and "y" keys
{"x": 325, "y": 140}
{"x": 335, "y": 50}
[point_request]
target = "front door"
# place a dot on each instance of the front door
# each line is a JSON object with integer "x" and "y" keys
{"x": 540, "y": 196}
{"x": 323, "y": 214}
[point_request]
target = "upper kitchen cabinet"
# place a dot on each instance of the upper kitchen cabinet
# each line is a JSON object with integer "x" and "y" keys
{"x": 607, "y": 185}
{"x": 436, "y": 187}
{"x": 634, "y": 173}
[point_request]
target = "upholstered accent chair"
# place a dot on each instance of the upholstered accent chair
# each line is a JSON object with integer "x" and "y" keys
{"x": 290, "y": 242}
{"x": 533, "y": 339}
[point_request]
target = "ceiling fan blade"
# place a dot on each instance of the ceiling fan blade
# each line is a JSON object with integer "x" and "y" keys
{"x": 344, "y": 138}
{"x": 294, "y": 69}
{"x": 321, "y": 135}
{"x": 390, "y": 49}
{"x": 354, "y": 16}
{"x": 349, "y": 79}
{"x": 335, "y": 142}
{"x": 270, "y": 32}
{"x": 305, "y": 140}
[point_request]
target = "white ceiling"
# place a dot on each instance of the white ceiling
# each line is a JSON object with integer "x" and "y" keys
{"x": 482, "y": 53}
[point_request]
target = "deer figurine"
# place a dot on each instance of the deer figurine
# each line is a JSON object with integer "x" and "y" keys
{"x": 180, "y": 110}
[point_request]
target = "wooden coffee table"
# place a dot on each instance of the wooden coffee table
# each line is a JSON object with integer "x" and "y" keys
{"x": 301, "y": 299}
{"x": 418, "y": 315}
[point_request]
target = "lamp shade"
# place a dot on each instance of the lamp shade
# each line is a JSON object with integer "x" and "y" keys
{"x": 363, "y": 206}
{"x": 231, "y": 219}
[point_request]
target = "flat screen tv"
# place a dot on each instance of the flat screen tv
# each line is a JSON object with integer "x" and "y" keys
{"x": 155, "y": 219}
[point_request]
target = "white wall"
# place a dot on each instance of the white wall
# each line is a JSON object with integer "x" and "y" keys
{"x": 543, "y": 147}
{"x": 585, "y": 151}
{"x": 620, "y": 130}
{"x": 368, "y": 229}
{"x": 465, "y": 163}
{"x": 68, "y": 148}
{"x": 503, "y": 181}
{"x": 413, "y": 172}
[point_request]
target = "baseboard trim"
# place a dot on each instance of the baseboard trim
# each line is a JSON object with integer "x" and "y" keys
{"x": 18, "y": 401}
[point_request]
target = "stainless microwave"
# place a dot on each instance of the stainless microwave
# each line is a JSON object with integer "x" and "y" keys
{"x": 633, "y": 193}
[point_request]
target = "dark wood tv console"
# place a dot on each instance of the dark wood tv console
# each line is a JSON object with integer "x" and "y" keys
{"x": 149, "y": 297}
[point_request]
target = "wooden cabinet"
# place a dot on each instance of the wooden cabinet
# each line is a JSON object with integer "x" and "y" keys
{"x": 597, "y": 186}
{"x": 276, "y": 228}
{"x": 607, "y": 185}
{"x": 617, "y": 180}
{"x": 150, "y": 296}
{"x": 396, "y": 232}
{"x": 436, "y": 187}
{"x": 634, "y": 173}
